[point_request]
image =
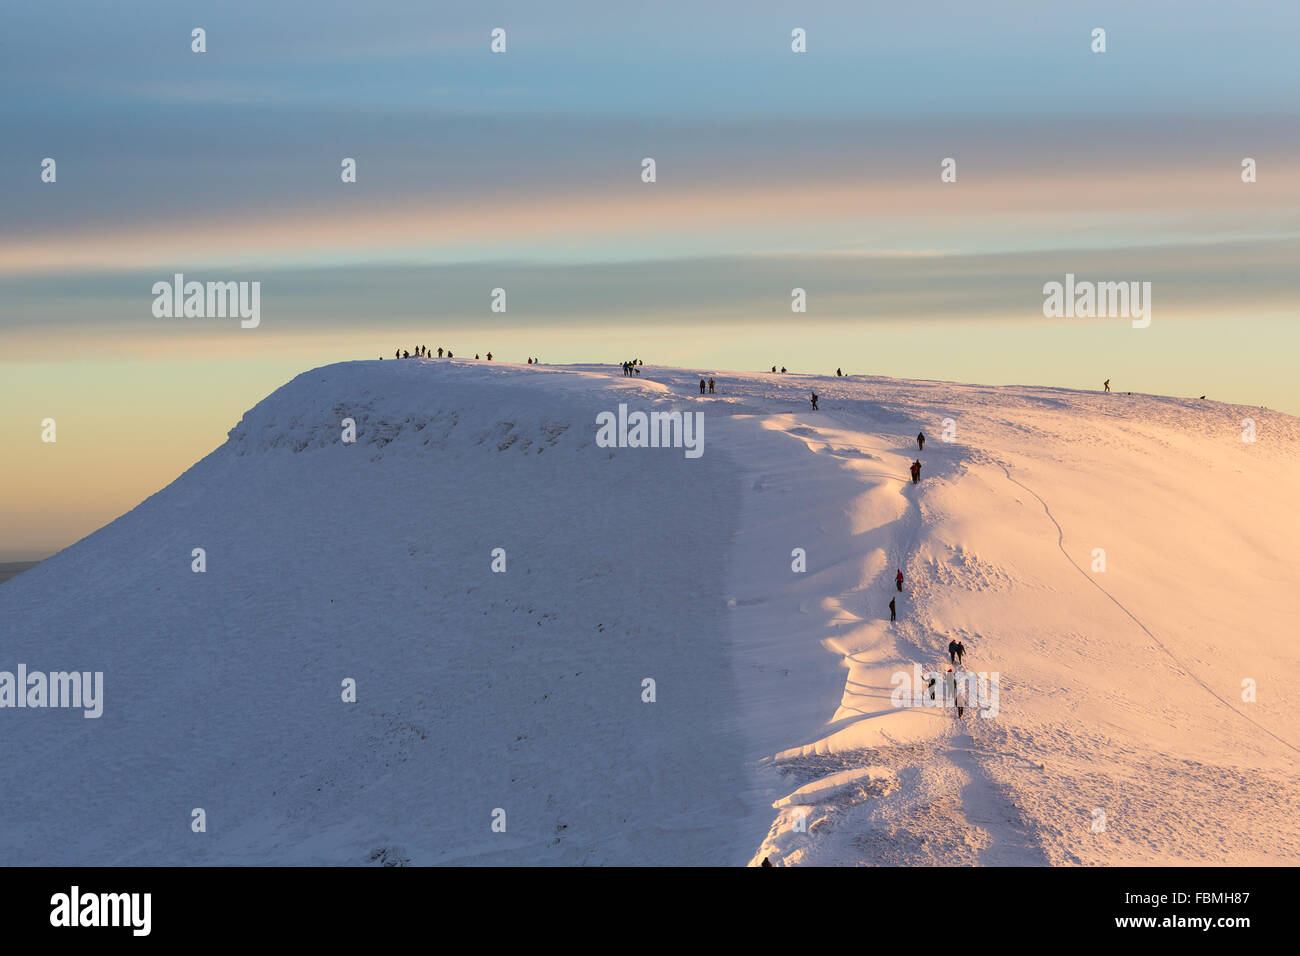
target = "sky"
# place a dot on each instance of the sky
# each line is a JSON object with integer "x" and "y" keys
{"x": 522, "y": 170}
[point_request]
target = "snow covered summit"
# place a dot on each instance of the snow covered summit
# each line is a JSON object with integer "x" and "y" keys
{"x": 570, "y": 651}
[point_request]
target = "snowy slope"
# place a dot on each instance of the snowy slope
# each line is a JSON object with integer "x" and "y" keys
{"x": 772, "y": 733}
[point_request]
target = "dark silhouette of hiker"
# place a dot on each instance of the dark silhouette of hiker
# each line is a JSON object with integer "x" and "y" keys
{"x": 1107, "y": 385}
{"x": 440, "y": 351}
{"x": 893, "y": 611}
{"x": 773, "y": 368}
{"x": 916, "y": 472}
{"x": 449, "y": 355}
{"x": 397, "y": 354}
{"x": 898, "y": 580}
{"x": 703, "y": 387}
{"x": 930, "y": 684}
{"x": 920, "y": 440}
{"x": 782, "y": 369}
{"x": 952, "y": 651}
{"x": 713, "y": 389}
{"x": 814, "y": 401}
{"x": 406, "y": 355}
{"x": 961, "y": 649}
{"x": 766, "y": 862}
{"x": 839, "y": 373}
{"x": 489, "y": 356}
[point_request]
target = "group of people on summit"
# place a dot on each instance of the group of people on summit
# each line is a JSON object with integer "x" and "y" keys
{"x": 422, "y": 351}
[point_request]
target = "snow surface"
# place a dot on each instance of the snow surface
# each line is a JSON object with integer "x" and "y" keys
{"x": 772, "y": 733}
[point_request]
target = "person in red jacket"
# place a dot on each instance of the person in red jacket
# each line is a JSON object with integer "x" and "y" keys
{"x": 898, "y": 580}
{"x": 916, "y": 472}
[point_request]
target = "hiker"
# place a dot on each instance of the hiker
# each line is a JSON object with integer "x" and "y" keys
{"x": 702, "y": 386}
{"x": 920, "y": 441}
{"x": 839, "y": 373}
{"x": 397, "y": 354}
{"x": 916, "y": 472}
{"x": 475, "y": 356}
{"x": 893, "y": 611}
{"x": 449, "y": 355}
{"x": 489, "y": 356}
{"x": 636, "y": 370}
{"x": 814, "y": 401}
{"x": 1107, "y": 385}
{"x": 898, "y": 579}
{"x": 952, "y": 651}
{"x": 930, "y": 684}
{"x": 961, "y": 649}
{"x": 950, "y": 685}
{"x": 439, "y": 351}
{"x": 960, "y": 701}
{"x": 406, "y": 355}
{"x": 713, "y": 389}
{"x": 782, "y": 369}
{"x": 773, "y": 368}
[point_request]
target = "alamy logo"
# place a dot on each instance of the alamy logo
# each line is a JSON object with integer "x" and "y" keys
{"x": 56, "y": 689}
{"x": 1093, "y": 300}
{"x": 651, "y": 430}
{"x": 211, "y": 300}
{"x": 103, "y": 909}
{"x": 978, "y": 691}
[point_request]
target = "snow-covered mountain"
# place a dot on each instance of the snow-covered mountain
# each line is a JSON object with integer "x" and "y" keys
{"x": 1144, "y": 713}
